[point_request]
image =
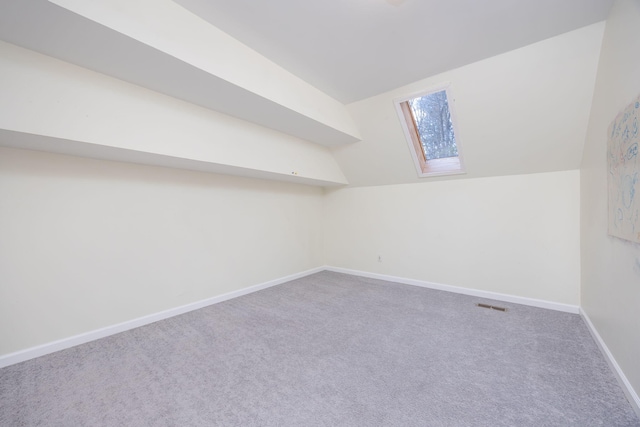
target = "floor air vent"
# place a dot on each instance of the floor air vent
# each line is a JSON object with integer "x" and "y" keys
{"x": 493, "y": 307}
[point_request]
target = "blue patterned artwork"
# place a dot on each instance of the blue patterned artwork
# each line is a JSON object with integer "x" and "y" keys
{"x": 624, "y": 174}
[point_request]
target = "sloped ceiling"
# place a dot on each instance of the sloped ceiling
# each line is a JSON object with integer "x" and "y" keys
{"x": 161, "y": 46}
{"x": 355, "y": 49}
{"x": 327, "y": 72}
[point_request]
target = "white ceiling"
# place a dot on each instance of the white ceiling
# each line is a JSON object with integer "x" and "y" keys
{"x": 354, "y": 49}
{"x": 348, "y": 49}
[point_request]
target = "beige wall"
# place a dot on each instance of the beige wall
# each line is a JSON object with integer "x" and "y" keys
{"x": 88, "y": 243}
{"x": 516, "y": 235}
{"x": 610, "y": 266}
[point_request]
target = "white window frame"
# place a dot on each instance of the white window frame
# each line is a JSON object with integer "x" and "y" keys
{"x": 434, "y": 167}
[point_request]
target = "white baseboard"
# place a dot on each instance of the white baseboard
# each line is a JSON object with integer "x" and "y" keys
{"x": 41, "y": 350}
{"x": 568, "y": 308}
{"x": 631, "y": 394}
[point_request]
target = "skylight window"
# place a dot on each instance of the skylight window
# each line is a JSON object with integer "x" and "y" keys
{"x": 429, "y": 126}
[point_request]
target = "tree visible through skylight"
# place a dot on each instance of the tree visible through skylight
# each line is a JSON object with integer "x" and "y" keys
{"x": 433, "y": 124}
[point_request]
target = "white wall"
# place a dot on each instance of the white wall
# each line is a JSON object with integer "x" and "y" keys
{"x": 515, "y": 235}
{"x": 610, "y": 266}
{"x": 89, "y": 243}
{"x": 524, "y": 111}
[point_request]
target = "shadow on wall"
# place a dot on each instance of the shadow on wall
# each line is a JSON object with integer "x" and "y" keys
{"x": 38, "y": 163}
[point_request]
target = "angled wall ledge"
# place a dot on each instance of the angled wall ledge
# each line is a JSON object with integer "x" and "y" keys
{"x": 51, "y": 105}
{"x": 163, "y": 47}
{"x": 49, "y": 144}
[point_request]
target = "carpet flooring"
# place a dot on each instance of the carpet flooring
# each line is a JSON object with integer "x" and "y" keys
{"x": 328, "y": 350}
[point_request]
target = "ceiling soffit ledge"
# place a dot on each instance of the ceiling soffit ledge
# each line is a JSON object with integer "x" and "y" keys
{"x": 161, "y": 46}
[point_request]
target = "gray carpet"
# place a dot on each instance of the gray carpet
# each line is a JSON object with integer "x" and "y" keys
{"x": 328, "y": 350}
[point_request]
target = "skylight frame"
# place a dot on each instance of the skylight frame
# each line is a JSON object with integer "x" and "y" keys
{"x": 433, "y": 167}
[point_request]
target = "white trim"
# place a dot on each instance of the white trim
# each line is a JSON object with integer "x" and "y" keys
{"x": 51, "y": 347}
{"x": 568, "y": 308}
{"x": 626, "y": 386}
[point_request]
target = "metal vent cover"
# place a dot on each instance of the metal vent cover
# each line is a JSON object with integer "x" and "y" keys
{"x": 492, "y": 307}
